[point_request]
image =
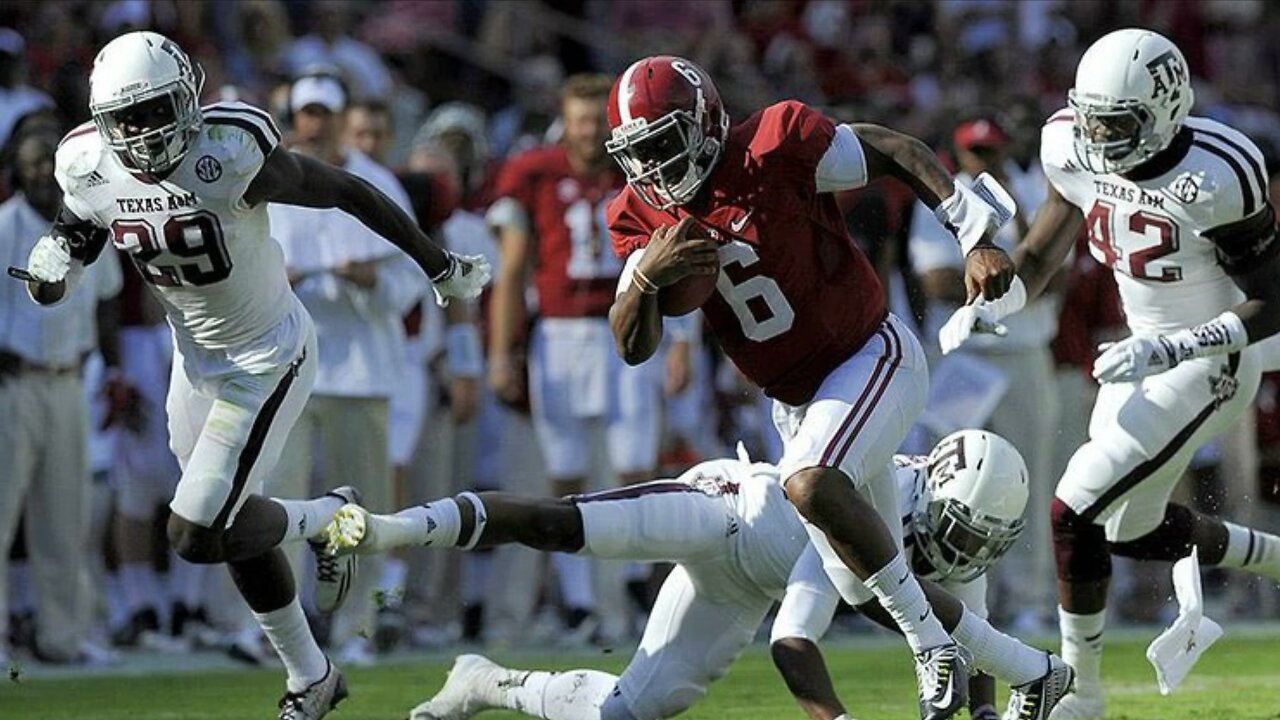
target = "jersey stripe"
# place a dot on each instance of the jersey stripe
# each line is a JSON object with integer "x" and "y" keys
{"x": 264, "y": 144}
{"x": 1254, "y": 165}
{"x": 246, "y": 111}
{"x": 81, "y": 129}
{"x": 1246, "y": 188}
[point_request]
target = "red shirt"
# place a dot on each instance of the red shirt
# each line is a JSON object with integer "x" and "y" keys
{"x": 574, "y": 273}
{"x": 795, "y": 298}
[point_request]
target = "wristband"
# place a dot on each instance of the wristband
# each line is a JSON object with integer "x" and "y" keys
{"x": 448, "y": 270}
{"x": 1219, "y": 336}
{"x": 967, "y": 216}
{"x": 462, "y": 356}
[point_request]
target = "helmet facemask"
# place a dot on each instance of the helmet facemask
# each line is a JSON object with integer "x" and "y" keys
{"x": 667, "y": 160}
{"x": 1114, "y": 136}
{"x": 155, "y": 149}
{"x": 960, "y": 543}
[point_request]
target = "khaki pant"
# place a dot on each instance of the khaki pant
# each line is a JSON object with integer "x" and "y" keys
{"x": 344, "y": 438}
{"x": 44, "y": 470}
{"x": 1027, "y": 416}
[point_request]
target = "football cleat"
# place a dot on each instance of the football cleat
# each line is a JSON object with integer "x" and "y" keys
{"x": 1036, "y": 699}
{"x": 473, "y": 681}
{"x": 334, "y": 574}
{"x": 317, "y": 699}
{"x": 1079, "y": 707}
{"x": 942, "y": 677}
{"x": 351, "y": 531}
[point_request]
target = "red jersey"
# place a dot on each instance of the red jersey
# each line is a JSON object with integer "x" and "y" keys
{"x": 574, "y": 273}
{"x": 795, "y": 298}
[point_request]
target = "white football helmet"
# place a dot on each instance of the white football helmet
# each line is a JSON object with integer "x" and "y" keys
{"x": 142, "y": 67}
{"x": 970, "y": 511}
{"x": 1132, "y": 92}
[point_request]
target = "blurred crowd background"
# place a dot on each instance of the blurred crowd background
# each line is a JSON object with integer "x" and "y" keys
{"x": 442, "y": 93}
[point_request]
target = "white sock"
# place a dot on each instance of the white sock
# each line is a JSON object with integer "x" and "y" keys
{"x": 290, "y": 635}
{"x": 1252, "y": 550}
{"x": 570, "y": 695}
{"x": 575, "y": 580}
{"x": 1082, "y": 648}
{"x": 997, "y": 654}
{"x": 307, "y": 518}
{"x": 901, "y": 596}
{"x": 141, "y": 586}
{"x": 435, "y": 524}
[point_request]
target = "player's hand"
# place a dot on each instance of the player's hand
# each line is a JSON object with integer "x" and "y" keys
{"x": 465, "y": 278}
{"x": 988, "y": 271}
{"x": 1134, "y": 358}
{"x": 672, "y": 255}
{"x": 506, "y": 379}
{"x": 464, "y": 395}
{"x": 976, "y": 317}
{"x": 49, "y": 261}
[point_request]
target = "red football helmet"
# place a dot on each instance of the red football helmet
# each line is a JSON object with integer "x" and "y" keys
{"x": 668, "y": 128}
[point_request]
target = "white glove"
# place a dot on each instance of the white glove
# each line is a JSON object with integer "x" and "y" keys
{"x": 465, "y": 278}
{"x": 1133, "y": 358}
{"x": 978, "y": 317}
{"x": 50, "y": 260}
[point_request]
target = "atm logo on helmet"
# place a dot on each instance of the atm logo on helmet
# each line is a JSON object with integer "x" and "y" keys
{"x": 1168, "y": 73}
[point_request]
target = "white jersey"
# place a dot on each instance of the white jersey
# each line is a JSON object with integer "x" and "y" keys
{"x": 1160, "y": 231}
{"x": 206, "y": 253}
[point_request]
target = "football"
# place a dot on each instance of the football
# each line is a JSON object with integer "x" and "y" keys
{"x": 687, "y": 295}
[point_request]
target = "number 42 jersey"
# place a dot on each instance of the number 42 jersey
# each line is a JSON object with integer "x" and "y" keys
{"x": 1175, "y": 229}
{"x": 206, "y": 253}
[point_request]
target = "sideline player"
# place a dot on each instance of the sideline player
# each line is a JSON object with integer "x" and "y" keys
{"x": 184, "y": 190}
{"x": 797, "y": 306}
{"x": 739, "y": 547}
{"x": 1177, "y": 207}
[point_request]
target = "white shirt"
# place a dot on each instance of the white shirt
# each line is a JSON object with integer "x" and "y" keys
{"x": 57, "y": 335}
{"x": 359, "y": 332}
{"x": 365, "y": 72}
{"x": 933, "y": 247}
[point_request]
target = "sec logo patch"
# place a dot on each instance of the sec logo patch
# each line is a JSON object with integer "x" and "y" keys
{"x": 208, "y": 169}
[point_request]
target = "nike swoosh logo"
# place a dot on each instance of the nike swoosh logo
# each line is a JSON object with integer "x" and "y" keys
{"x": 903, "y": 579}
{"x": 945, "y": 701}
{"x": 741, "y": 222}
{"x": 924, "y": 615}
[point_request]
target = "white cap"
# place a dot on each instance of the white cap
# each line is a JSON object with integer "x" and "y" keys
{"x": 322, "y": 90}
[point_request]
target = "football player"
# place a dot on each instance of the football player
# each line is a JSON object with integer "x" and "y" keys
{"x": 1177, "y": 206}
{"x": 736, "y": 542}
{"x": 549, "y": 220}
{"x": 796, "y": 306}
{"x": 183, "y": 190}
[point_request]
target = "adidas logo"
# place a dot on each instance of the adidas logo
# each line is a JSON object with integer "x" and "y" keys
{"x": 96, "y": 179}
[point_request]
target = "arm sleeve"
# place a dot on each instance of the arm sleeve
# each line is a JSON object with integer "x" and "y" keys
{"x": 843, "y": 166}
{"x": 809, "y": 603}
{"x": 1246, "y": 243}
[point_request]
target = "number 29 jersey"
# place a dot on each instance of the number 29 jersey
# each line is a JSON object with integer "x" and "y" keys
{"x": 1174, "y": 230}
{"x": 207, "y": 255}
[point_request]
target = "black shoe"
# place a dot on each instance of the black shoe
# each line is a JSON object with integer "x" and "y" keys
{"x": 141, "y": 621}
{"x": 942, "y": 676}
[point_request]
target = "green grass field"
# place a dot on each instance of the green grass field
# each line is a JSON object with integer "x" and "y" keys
{"x": 1238, "y": 679}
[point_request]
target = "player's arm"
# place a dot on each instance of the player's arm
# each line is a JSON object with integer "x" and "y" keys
{"x": 507, "y": 312}
{"x": 58, "y": 259}
{"x": 1249, "y": 250}
{"x": 803, "y": 618}
{"x": 887, "y": 153}
{"x": 1038, "y": 258}
{"x": 669, "y": 257}
{"x": 295, "y": 179}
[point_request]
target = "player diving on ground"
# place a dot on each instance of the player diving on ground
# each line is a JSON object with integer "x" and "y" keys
{"x": 736, "y": 542}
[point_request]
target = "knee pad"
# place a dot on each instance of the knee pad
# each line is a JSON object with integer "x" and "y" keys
{"x": 1171, "y": 541}
{"x": 1080, "y": 547}
{"x": 193, "y": 543}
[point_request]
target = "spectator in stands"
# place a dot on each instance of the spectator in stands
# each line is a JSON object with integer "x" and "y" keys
{"x": 17, "y": 98}
{"x": 331, "y": 44}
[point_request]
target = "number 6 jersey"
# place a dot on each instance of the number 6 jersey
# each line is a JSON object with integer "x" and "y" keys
{"x": 206, "y": 253}
{"x": 795, "y": 297}
{"x": 1174, "y": 229}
